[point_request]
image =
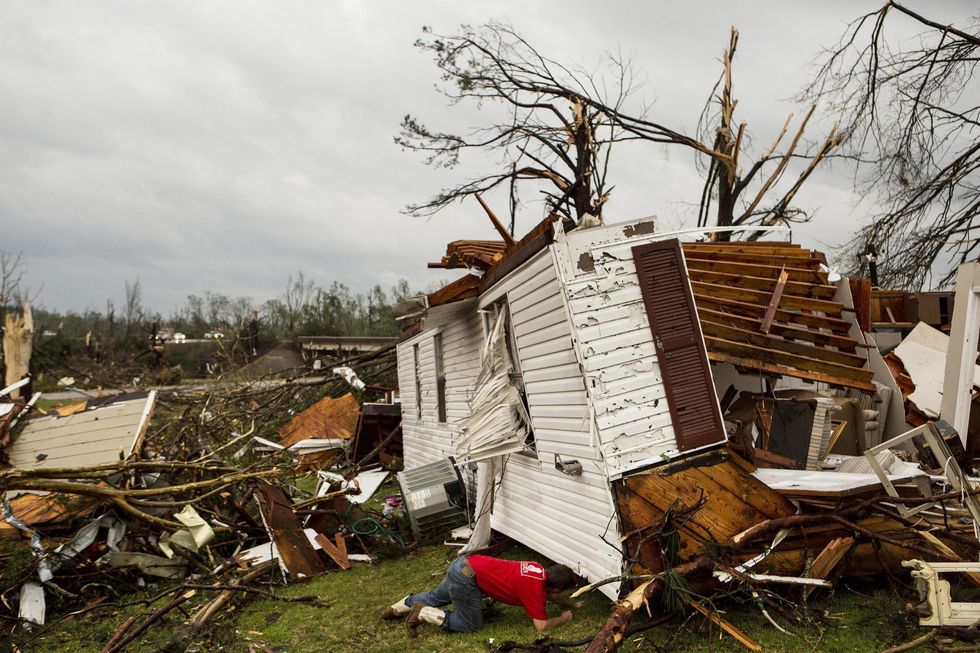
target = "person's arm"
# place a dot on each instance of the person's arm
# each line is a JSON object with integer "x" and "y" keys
{"x": 560, "y": 599}
{"x": 542, "y": 625}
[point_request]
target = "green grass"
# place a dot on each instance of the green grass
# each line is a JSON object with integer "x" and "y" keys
{"x": 351, "y": 622}
{"x": 867, "y": 621}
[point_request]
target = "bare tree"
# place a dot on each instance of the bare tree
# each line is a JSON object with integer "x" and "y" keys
{"x": 133, "y": 307}
{"x": 742, "y": 197}
{"x": 11, "y": 276}
{"x": 557, "y": 125}
{"x": 908, "y": 108}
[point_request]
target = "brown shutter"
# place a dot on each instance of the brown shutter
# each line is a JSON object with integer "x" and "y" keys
{"x": 677, "y": 337}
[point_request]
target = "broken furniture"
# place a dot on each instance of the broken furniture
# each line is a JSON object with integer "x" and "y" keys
{"x": 936, "y": 606}
{"x": 929, "y": 433}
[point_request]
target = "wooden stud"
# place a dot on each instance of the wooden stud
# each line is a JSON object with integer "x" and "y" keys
{"x": 788, "y": 331}
{"x": 764, "y": 284}
{"x": 773, "y": 356}
{"x": 828, "y": 559}
{"x": 761, "y": 298}
{"x": 772, "y": 368}
{"x": 729, "y": 332}
{"x": 834, "y": 324}
{"x": 767, "y": 271}
{"x": 497, "y": 224}
{"x": 777, "y": 294}
{"x": 742, "y": 638}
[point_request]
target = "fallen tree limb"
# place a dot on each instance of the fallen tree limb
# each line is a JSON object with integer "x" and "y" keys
{"x": 548, "y": 645}
{"x": 132, "y": 634}
{"x": 206, "y": 612}
{"x": 121, "y": 498}
{"x": 611, "y": 636}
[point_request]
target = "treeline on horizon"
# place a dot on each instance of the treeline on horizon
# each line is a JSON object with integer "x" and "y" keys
{"x": 303, "y": 308}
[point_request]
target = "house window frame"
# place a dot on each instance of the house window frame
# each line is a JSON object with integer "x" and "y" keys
{"x": 438, "y": 348}
{"x": 418, "y": 381}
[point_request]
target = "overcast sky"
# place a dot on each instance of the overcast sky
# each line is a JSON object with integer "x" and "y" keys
{"x": 226, "y": 145}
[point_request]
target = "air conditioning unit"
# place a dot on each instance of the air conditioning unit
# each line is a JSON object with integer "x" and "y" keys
{"x": 435, "y": 498}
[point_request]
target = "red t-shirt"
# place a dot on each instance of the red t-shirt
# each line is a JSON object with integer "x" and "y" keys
{"x": 513, "y": 582}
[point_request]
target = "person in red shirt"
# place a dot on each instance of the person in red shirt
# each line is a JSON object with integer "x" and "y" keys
{"x": 469, "y": 578}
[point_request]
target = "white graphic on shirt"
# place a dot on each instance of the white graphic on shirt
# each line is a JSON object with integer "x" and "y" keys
{"x": 532, "y": 570}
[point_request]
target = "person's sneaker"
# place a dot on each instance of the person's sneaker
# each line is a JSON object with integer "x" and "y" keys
{"x": 413, "y": 620}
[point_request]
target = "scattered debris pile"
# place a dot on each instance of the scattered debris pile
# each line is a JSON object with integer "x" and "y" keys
{"x": 195, "y": 492}
{"x": 727, "y": 399}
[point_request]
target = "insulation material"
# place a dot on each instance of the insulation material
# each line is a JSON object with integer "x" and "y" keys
{"x": 498, "y": 422}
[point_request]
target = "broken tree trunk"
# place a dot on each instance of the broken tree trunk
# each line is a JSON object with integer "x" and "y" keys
{"x": 18, "y": 337}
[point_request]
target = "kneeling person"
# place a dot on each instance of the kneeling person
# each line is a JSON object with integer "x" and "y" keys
{"x": 470, "y": 578}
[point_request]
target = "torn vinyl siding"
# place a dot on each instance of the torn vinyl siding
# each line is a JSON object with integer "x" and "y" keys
{"x": 427, "y": 439}
{"x": 552, "y": 377}
{"x": 619, "y": 360}
{"x": 563, "y": 517}
{"x": 498, "y": 423}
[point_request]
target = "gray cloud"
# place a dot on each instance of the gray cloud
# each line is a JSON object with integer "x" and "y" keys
{"x": 226, "y": 145}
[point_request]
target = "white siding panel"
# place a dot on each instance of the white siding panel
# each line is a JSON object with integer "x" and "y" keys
{"x": 556, "y": 333}
{"x": 559, "y": 358}
{"x": 563, "y": 517}
{"x": 616, "y": 348}
{"x": 427, "y": 440}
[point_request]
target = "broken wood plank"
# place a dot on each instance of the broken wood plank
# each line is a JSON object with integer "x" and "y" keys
{"x": 297, "y": 556}
{"x": 761, "y": 298}
{"x": 341, "y": 545}
{"x": 208, "y": 610}
{"x": 497, "y": 224}
{"x": 742, "y": 638}
{"x": 777, "y": 295}
{"x": 746, "y": 351}
{"x": 771, "y": 368}
{"x": 828, "y": 559}
{"x": 336, "y": 554}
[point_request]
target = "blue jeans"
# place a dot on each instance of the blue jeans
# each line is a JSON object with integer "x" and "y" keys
{"x": 459, "y": 588}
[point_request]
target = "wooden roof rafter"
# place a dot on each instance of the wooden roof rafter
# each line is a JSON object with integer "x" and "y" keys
{"x": 768, "y": 307}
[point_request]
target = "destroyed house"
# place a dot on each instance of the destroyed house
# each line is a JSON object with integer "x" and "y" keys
{"x": 574, "y": 361}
